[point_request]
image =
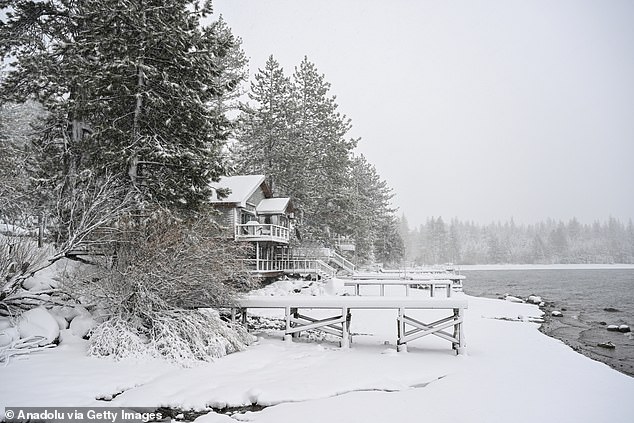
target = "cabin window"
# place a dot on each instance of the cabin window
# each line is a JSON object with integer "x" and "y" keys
{"x": 246, "y": 217}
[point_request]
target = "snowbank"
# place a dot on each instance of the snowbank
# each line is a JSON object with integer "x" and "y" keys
{"x": 512, "y": 372}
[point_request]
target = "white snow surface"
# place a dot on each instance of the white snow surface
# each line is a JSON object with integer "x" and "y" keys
{"x": 511, "y": 372}
{"x": 241, "y": 186}
{"x": 272, "y": 205}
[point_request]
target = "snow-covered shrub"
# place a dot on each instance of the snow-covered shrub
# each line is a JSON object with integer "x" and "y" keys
{"x": 19, "y": 255}
{"x": 181, "y": 336}
{"x": 151, "y": 289}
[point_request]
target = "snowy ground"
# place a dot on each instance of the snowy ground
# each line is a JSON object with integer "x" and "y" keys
{"x": 511, "y": 372}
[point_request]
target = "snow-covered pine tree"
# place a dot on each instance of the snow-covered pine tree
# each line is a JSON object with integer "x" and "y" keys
{"x": 373, "y": 223}
{"x": 132, "y": 89}
{"x": 321, "y": 152}
{"x": 264, "y": 128}
{"x": 16, "y": 131}
{"x": 232, "y": 68}
{"x": 131, "y": 86}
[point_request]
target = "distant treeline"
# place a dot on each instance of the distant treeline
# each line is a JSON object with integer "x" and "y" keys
{"x": 548, "y": 242}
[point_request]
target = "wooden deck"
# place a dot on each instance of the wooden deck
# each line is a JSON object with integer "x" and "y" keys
{"x": 433, "y": 285}
{"x": 339, "y": 323}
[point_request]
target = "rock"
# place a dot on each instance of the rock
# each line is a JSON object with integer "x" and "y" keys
{"x": 8, "y": 336}
{"x": 611, "y": 310}
{"x": 38, "y": 322}
{"x": 61, "y": 320}
{"x": 613, "y": 328}
{"x": 534, "y": 299}
{"x": 37, "y": 284}
{"x": 81, "y": 325}
{"x": 609, "y": 345}
{"x": 67, "y": 312}
{"x": 624, "y": 328}
{"x": 556, "y": 313}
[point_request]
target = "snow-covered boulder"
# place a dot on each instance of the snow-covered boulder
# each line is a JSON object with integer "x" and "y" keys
{"x": 613, "y": 328}
{"x": 556, "y": 313}
{"x": 68, "y": 312}
{"x": 38, "y": 322}
{"x": 8, "y": 336}
{"x": 82, "y": 324}
{"x": 534, "y": 299}
{"x": 624, "y": 328}
{"x": 38, "y": 283}
{"x": 61, "y": 320}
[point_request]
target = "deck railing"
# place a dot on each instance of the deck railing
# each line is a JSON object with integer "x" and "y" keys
{"x": 258, "y": 231}
{"x": 292, "y": 266}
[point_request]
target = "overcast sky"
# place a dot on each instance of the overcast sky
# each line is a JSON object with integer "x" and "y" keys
{"x": 481, "y": 110}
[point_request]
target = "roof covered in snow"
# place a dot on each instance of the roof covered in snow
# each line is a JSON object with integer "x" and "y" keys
{"x": 273, "y": 205}
{"x": 242, "y": 187}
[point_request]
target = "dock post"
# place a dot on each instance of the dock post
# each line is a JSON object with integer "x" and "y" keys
{"x": 244, "y": 317}
{"x": 287, "y": 335}
{"x": 295, "y": 314}
{"x": 345, "y": 328}
{"x": 462, "y": 346}
{"x": 401, "y": 347}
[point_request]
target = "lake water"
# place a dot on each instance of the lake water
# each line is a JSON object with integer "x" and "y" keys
{"x": 583, "y": 297}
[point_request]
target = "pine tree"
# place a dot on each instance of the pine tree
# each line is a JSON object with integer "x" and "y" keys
{"x": 373, "y": 224}
{"x": 293, "y": 133}
{"x": 265, "y": 127}
{"x": 321, "y": 153}
{"x": 130, "y": 87}
{"x": 17, "y": 199}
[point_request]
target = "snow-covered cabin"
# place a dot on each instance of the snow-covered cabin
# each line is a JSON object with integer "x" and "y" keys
{"x": 251, "y": 210}
{"x": 254, "y": 215}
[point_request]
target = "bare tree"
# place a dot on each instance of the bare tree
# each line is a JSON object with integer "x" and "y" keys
{"x": 157, "y": 290}
{"x": 84, "y": 221}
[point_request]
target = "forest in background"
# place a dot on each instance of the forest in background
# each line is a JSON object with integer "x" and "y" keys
{"x": 546, "y": 242}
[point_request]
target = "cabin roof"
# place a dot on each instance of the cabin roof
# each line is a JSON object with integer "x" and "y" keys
{"x": 242, "y": 187}
{"x": 273, "y": 205}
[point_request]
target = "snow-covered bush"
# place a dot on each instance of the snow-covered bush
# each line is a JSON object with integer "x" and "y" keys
{"x": 180, "y": 336}
{"x": 151, "y": 288}
{"x": 19, "y": 255}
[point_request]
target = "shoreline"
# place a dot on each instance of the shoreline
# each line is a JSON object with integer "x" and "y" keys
{"x": 582, "y": 337}
{"x": 584, "y": 323}
{"x": 571, "y": 330}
